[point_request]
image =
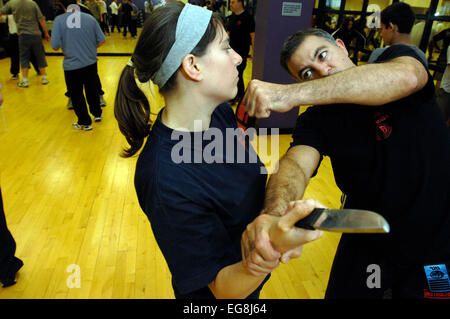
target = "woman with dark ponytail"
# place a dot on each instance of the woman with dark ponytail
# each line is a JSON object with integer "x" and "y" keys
{"x": 198, "y": 199}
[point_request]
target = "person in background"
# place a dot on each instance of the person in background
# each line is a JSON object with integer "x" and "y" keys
{"x": 114, "y": 15}
{"x": 396, "y": 23}
{"x": 28, "y": 18}
{"x": 241, "y": 28}
{"x": 148, "y": 8}
{"x": 133, "y": 20}
{"x": 126, "y": 16}
{"x": 9, "y": 263}
{"x": 80, "y": 65}
{"x": 104, "y": 14}
{"x": 94, "y": 7}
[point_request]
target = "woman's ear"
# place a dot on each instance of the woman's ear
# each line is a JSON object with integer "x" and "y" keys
{"x": 190, "y": 68}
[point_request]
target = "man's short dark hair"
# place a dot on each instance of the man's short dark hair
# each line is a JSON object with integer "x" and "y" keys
{"x": 401, "y": 15}
{"x": 294, "y": 41}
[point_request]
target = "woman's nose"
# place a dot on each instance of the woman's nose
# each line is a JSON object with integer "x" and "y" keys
{"x": 238, "y": 58}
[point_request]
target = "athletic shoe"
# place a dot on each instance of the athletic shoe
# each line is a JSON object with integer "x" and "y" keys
{"x": 15, "y": 77}
{"x": 98, "y": 118}
{"x": 82, "y": 127}
{"x": 23, "y": 84}
{"x": 44, "y": 81}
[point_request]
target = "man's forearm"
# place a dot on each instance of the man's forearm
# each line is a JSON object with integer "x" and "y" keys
{"x": 43, "y": 25}
{"x": 288, "y": 184}
{"x": 370, "y": 84}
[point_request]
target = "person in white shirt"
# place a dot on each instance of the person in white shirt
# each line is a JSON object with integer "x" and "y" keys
{"x": 104, "y": 14}
{"x": 114, "y": 15}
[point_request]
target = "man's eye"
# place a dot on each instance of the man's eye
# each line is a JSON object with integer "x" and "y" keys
{"x": 323, "y": 55}
{"x": 306, "y": 75}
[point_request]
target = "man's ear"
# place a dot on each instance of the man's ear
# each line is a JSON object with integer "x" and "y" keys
{"x": 341, "y": 44}
{"x": 190, "y": 68}
{"x": 392, "y": 26}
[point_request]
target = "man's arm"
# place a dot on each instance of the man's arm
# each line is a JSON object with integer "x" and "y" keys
{"x": 44, "y": 28}
{"x": 240, "y": 279}
{"x": 369, "y": 84}
{"x": 289, "y": 182}
{"x": 287, "y": 185}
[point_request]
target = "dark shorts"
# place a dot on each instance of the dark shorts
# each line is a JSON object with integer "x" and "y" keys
{"x": 31, "y": 43}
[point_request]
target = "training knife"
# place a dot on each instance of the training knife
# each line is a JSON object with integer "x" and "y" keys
{"x": 344, "y": 221}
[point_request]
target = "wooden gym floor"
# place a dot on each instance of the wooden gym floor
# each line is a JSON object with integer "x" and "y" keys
{"x": 70, "y": 200}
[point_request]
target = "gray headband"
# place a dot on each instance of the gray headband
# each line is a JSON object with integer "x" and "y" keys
{"x": 191, "y": 27}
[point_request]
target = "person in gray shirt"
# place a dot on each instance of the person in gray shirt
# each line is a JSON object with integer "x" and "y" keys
{"x": 28, "y": 17}
{"x": 397, "y": 21}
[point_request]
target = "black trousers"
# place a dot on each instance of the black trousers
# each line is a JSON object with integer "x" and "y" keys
{"x": 126, "y": 20}
{"x": 104, "y": 24}
{"x": 115, "y": 22}
{"x": 9, "y": 264}
{"x": 77, "y": 80}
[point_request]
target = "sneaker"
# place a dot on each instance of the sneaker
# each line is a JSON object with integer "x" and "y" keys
{"x": 23, "y": 84}
{"x": 82, "y": 127}
{"x": 44, "y": 81}
{"x": 98, "y": 118}
{"x": 15, "y": 77}
{"x": 69, "y": 104}
{"x": 102, "y": 101}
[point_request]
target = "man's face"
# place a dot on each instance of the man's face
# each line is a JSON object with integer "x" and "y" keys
{"x": 235, "y": 5}
{"x": 386, "y": 33}
{"x": 316, "y": 58}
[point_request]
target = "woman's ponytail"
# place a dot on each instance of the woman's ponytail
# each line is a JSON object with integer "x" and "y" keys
{"x": 132, "y": 112}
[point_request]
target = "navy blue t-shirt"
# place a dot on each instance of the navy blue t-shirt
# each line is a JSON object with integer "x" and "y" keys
{"x": 199, "y": 197}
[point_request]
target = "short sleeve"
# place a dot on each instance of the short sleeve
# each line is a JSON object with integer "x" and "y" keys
{"x": 55, "y": 40}
{"x": 308, "y": 130}
{"x": 38, "y": 11}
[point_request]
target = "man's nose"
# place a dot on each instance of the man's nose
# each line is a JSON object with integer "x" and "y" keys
{"x": 324, "y": 70}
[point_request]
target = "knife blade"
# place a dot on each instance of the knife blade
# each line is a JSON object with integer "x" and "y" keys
{"x": 345, "y": 221}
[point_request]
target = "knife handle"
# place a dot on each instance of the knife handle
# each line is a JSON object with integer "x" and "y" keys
{"x": 310, "y": 220}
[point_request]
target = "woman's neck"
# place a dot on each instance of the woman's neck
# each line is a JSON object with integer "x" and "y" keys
{"x": 187, "y": 113}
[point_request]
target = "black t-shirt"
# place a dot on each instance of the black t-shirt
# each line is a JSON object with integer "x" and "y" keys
{"x": 240, "y": 26}
{"x": 199, "y": 210}
{"x": 392, "y": 159}
{"x": 126, "y": 9}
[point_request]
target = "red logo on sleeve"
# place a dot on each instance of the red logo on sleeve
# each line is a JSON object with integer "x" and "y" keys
{"x": 383, "y": 128}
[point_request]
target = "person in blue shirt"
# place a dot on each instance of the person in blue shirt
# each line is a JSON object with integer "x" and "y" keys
{"x": 198, "y": 198}
{"x": 79, "y": 36}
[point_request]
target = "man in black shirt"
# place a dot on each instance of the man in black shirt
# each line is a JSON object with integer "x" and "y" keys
{"x": 241, "y": 30}
{"x": 126, "y": 17}
{"x": 390, "y": 149}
